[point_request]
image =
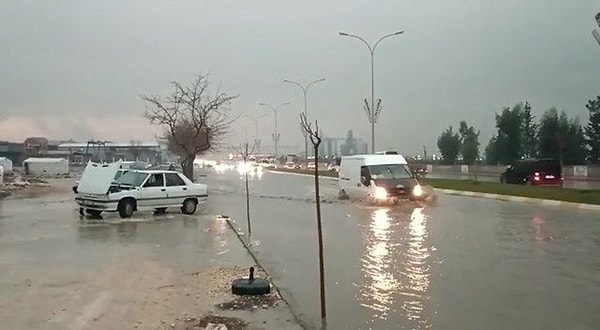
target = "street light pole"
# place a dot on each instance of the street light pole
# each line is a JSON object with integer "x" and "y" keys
{"x": 256, "y": 139}
{"x": 304, "y": 91}
{"x": 276, "y": 134}
{"x": 372, "y": 109}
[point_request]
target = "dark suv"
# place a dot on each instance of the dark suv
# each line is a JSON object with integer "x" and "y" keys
{"x": 547, "y": 172}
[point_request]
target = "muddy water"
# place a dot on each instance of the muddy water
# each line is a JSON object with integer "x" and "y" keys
{"x": 463, "y": 263}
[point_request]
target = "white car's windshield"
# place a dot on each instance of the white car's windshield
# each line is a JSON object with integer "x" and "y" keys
{"x": 132, "y": 178}
{"x": 387, "y": 172}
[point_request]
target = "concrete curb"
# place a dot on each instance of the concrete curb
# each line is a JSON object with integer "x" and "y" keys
{"x": 230, "y": 223}
{"x": 528, "y": 200}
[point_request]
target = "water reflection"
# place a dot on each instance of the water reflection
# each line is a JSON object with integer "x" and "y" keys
{"x": 396, "y": 266}
{"x": 377, "y": 266}
{"x": 417, "y": 267}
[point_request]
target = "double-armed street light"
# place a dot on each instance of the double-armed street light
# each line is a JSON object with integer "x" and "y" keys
{"x": 304, "y": 91}
{"x": 276, "y": 134}
{"x": 372, "y": 109}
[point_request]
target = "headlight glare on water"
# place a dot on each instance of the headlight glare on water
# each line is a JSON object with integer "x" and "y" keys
{"x": 380, "y": 193}
{"x": 417, "y": 191}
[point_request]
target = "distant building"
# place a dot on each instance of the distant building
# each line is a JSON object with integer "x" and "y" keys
{"x": 12, "y": 151}
{"x": 35, "y": 146}
{"x": 353, "y": 146}
{"x": 104, "y": 151}
{"x": 332, "y": 147}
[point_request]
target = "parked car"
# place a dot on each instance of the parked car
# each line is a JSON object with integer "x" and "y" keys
{"x": 311, "y": 165}
{"x": 117, "y": 175}
{"x": 547, "y": 172}
{"x": 135, "y": 190}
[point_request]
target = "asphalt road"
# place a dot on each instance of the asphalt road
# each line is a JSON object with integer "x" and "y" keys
{"x": 459, "y": 263}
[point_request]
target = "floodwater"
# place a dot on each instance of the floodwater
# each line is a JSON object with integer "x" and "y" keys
{"x": 459, "y": 263}
{"x": 60, "y": 271}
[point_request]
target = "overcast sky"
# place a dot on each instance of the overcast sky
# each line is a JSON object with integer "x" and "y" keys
{"x": 77, "y": 68}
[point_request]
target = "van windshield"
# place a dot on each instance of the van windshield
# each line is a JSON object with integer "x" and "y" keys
{"x": 389, "y": 172}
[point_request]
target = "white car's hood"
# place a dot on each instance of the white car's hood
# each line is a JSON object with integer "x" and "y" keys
{"x": 96, "y": 178}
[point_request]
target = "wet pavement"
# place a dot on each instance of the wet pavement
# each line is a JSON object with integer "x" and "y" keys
{"x": 459, "y": 263}
{"x": 148, "y": 272}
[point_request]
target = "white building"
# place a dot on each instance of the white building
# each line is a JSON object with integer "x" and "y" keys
{"x": 46, "y": 166}
{"x": 7, "y": 164}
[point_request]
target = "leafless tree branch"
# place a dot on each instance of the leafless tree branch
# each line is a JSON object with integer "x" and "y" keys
{"x": 313, "y": 134}
{"x": 193, "y": 120}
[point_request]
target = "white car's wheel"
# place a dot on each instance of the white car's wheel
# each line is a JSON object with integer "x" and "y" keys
{"x": 189, "y": 206}
{"x": 126, "y": 207}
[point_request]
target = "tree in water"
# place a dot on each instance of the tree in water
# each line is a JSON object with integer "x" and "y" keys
{"x": 449, "y": 145}
{"x": 315, "y": 138}
{"x": 193, "y": 119}
{"x": 244, "y": 150}
{"x": 592, "y": 130}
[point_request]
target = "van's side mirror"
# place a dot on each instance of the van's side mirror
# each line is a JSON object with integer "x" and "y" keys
{"x": 363, "y": 180}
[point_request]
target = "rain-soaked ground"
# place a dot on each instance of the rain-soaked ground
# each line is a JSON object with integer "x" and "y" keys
{"x": 60, "y": 271}
{"x": 459, "y": 263}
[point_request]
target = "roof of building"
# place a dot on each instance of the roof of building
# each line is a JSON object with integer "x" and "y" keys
{"x": 110, "y": 144}
{"x": 44, "y": 160}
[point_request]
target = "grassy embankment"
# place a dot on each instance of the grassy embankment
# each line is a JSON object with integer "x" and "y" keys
{"x": 554, "y": 193}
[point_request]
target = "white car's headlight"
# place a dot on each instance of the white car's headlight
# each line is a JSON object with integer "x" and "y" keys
{"x": 417, "y": 191}
{"x": 380, "y": 193}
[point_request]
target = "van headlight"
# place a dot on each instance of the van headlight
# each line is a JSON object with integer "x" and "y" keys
{"x": 417, "y": 191}
{"x": 380, "y": 193}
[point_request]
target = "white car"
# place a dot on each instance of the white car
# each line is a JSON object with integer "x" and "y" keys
{"x": 136, "y": 189}
{"x": 311, "y": 165}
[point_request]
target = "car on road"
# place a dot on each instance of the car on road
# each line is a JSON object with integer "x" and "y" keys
{"x": 333, "y": 168}
{"x": 290, "y": 165}
{"x": 311, "y": 165}
{"x": 378, "y": 179}
{"x": 135, "y": 190}
{"x": 538, "y": 172}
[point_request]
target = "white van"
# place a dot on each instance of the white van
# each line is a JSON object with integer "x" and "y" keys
{"x": 377, "y": 179}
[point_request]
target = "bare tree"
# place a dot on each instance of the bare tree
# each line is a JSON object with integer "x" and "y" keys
{"x": 245, "y": 150}
{"x": 315, "y": 139}
{"x": 193, "y": 120}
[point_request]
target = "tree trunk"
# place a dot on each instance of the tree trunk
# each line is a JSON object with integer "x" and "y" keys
{"x": 187, "y": 165}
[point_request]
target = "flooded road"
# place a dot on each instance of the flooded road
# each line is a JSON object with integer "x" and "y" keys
{"x": 462, "y": 263}
{"x": 59, "y": 271}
